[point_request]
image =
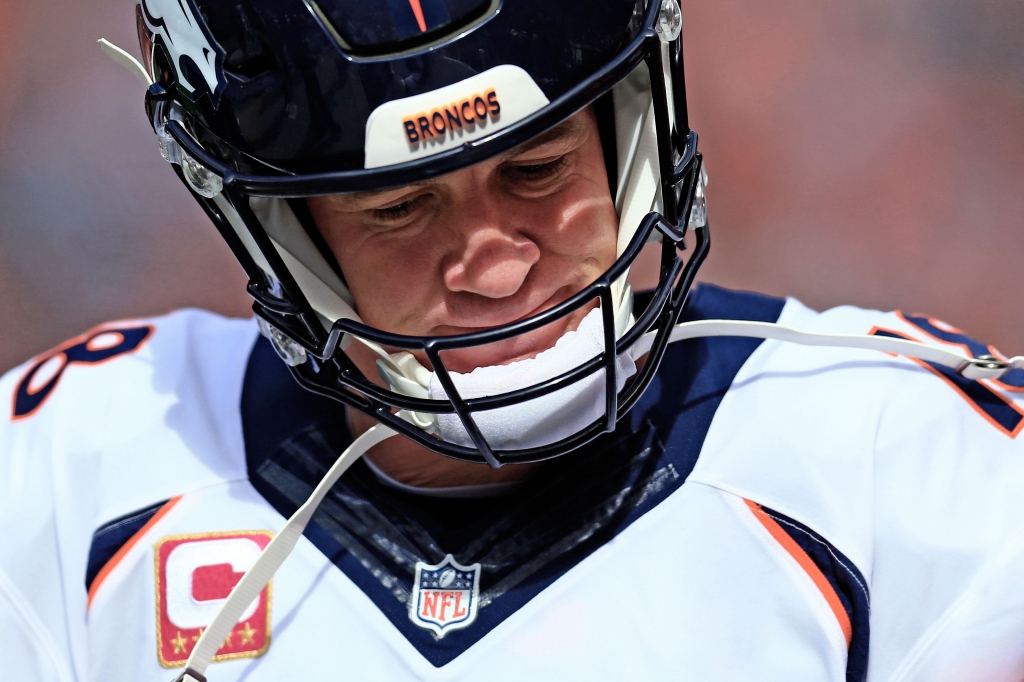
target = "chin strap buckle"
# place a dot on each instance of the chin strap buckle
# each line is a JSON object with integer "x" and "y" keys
{"x": 988, "y": 367}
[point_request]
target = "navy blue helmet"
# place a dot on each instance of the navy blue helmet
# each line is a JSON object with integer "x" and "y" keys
{"x": 260, "y": 104}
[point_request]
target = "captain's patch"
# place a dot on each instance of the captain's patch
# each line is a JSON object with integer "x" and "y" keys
{"x": 194, "y": 575}
{"x": 445, "y": 596}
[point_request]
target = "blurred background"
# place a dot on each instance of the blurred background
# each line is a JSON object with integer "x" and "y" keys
{"x": 867, "y": 152}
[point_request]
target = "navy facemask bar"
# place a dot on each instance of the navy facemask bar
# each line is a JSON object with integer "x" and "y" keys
{"x": 281, "y": 302}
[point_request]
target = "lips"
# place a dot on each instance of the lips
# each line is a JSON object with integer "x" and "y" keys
{"x": 520, "y": 347}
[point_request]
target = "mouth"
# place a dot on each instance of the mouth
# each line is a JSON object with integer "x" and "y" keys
{"x": 519, "y": 347}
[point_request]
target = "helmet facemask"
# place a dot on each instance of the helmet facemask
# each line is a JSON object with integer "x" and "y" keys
{"x": 305, "y": 308}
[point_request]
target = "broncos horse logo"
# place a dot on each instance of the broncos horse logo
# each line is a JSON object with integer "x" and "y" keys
{"x": 176, "y": 27}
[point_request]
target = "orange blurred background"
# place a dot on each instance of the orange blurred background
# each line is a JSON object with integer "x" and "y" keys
{"x": 867, "y": 152}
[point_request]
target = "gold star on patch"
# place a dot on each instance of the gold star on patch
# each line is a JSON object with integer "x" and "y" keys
{"x": 178, "y": 643}
{"x": 226, "y": 642}
{"x": 248, "y": 634}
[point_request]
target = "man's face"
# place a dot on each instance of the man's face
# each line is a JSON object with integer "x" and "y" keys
{"x": 484, "y": 246}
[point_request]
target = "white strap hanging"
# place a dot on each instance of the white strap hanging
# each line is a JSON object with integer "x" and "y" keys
{"x": 257, "y": 577}
{"x": 125, "y": 59}
{"x": 986, "y": 367}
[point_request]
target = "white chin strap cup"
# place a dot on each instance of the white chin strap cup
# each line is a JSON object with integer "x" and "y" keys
{"x": 403, "y": 374}
{"x": 545, "y": 419}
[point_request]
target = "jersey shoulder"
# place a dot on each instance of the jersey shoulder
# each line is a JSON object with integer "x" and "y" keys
{"x": 837, "y": 438}
{"x": 151, "y": 396}
{"x": 920, "y": 392}
{"x": 124, "y": 417}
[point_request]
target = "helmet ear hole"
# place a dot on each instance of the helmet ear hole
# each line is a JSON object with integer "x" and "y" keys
{"x": 241, "y": 33}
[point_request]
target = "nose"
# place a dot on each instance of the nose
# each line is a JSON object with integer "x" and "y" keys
{"x": 493, "y": 260}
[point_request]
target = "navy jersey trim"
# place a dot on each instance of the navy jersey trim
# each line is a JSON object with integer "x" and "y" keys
{"x": 112, "y": 536}
{"x": 847, "y": 582}
{"x": 615, "y": 480}
{"x": 991, "y": 405}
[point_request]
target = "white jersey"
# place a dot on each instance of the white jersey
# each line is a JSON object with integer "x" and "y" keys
{"x": 766, "y": 512}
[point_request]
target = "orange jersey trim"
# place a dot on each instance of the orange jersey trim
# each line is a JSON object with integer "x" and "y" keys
{"x": 967, "y": 350}
{"x": 810, "y": 568}
{"x": 121, "y": 553}
{"x": 970, "y": 401}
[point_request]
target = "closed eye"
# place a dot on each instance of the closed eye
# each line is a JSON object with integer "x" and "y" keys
{"x": 535, "y": 171}
{"x": 398, "y": 211}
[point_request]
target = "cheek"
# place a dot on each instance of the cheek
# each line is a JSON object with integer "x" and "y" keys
{"x": 390, "y": 279}
{"x": 580, "y": 225}
{"x": 596, "y": 225}
{"x": 388, "y": 275}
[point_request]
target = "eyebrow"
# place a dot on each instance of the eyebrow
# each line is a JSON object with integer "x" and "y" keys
{"x": 568, "y": 128}
{"x": 571, "y": 127}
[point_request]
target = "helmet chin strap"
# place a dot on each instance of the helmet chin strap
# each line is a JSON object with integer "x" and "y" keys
{"x": 261, "y": 572}
{"x": 404, "y": 374}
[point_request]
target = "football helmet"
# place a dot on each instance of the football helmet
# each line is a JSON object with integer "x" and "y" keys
{"x": 261, "y": 104}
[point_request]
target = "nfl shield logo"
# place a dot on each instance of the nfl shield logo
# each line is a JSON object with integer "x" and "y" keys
{"x": 445, "y": 596}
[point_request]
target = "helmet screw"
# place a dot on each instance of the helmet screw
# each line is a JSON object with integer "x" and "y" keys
{"x": 202, "y": 180}
{"x": 670, "y": 21}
